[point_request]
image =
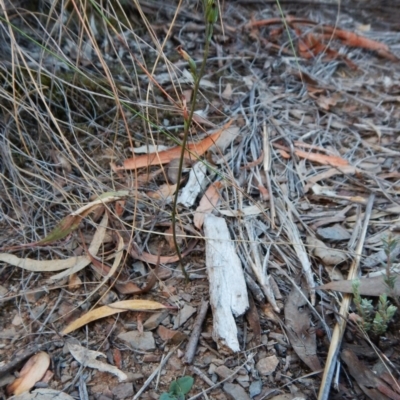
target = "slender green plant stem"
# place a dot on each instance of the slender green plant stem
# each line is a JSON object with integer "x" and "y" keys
{"x": 187, "y": 123}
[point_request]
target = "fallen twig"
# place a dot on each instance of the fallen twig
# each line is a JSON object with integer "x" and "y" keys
{"x": 341, "y": 324}
{"x": 196, "y": 331}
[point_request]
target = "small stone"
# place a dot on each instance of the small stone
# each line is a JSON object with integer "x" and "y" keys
{"x": 255, "y": 388}
{"x": 65, "y": 378}
{"x": 38, "y": 311}
{"x": 211, "y": 369}
{"x": 183, "y": 315}
{"x": 155, "y": 320}
{"x": 17, "y": 320}
{"x": 235, "y": 392}
{"x": 223, "y": 372}
{"x": 34, "y": 296}
{"x": 102, "y": 397}
{"x": 266, "y": 366}
{"x": 243, "y": 380}
{"x": 335, "y": 233}
{"x": 123, "y": 391}
{"x": 175, "y": 363}
{"x": 151, "y": 358}
{"x": 4, "y": 291}
{"x": 134, "y": 376}
{"x": 142, "y": 341}
{"x": 187, "y": 297}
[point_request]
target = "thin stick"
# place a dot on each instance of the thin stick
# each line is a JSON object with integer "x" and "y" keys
{"x": 341, "y": 324}
{"x": 194, "y": 338}
{"x": 267, "y": 170}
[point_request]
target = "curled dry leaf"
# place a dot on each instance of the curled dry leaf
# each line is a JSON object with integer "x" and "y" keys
{"x": 114, "y": 308}
{"x": 207, "y": 204}
{"x": 173, "y": 169}
{"x": 327, "y": 255}
{"x": 32, "y": 372}
{"x": 87, "y": 358}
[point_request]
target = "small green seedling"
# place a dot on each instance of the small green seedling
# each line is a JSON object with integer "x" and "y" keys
{"x": 376, "y": 322}
{"x": 178, "y": 389}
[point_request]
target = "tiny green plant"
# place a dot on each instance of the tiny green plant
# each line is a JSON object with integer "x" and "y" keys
{"x": 178, "y": 389}
{"x": 389, "y": 245}
{"x": 371, "y": 320}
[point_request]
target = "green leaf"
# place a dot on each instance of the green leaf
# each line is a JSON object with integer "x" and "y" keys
{"x": 167, "y": 396}
{"x": 185, "y": 384}
{"x": 174, "y": 388}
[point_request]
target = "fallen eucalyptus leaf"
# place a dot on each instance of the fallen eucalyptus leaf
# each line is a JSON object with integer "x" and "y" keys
{"x": 114, "y": 308}
{"x": 368, "y": 286}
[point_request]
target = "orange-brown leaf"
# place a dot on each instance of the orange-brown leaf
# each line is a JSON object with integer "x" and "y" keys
{"x": 334, "y": 161}
{"x": 194, "y": 150}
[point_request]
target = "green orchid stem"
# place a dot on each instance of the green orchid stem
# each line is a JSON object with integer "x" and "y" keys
{"x": 187, "y": 123}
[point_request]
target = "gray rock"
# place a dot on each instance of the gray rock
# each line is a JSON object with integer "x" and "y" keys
{"x": 4, "y": 291}
{"x": 123, "y": 391}
{"x": 255, "y": 388}
{"x": 183, "y": 315}
{"x": 35, "y": 296}
{"x": 235, "y": 392}
{"x": 155, "y": 320}
{"x": 243, "y": 380}
{"x": 335, "y": 232}
{"x": 266, "y": 366}
{"x": 141, "y": 341}
{"x": 223, "y": 372}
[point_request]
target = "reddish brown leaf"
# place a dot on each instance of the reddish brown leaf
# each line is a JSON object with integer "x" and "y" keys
{"x": 170, "y": 336}
{"x": 194, "y": 150}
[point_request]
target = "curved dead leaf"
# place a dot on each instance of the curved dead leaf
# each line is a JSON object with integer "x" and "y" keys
{"x": 32, "y": 372}
{"x": 114, "y": 308}
{"x": 72, "y": 264}
{"x": 93, "y": 249}
{"x": 87, "y": 358}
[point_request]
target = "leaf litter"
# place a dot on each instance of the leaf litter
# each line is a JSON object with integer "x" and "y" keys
{"x": 329, "y": 140}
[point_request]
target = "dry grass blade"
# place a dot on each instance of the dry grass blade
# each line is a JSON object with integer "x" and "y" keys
{"x": 340, "y": 326}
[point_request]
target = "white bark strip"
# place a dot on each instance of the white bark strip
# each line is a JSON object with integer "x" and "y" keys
{"x": 193, "y": 187}
{"x": 228, "y": 292}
